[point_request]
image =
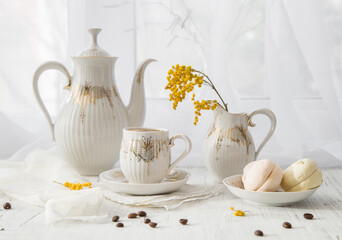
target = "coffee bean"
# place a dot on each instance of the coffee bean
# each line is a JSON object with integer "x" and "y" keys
{"x": 287, "y": 225}
{"x": 258, "y": 233}
{"x": 120, "y": 225}
{"x": 132, "y": 215}
{"x": 115, "y": 218}
{"x": 7, "y": 205}
{"x": 153, "y": 224}
{"x": 183, "y": 221}
{"x": 308, "y": 216}
{"x": 147, "y": 220}
{"x": 142, "y": 214}
{"x": 2, "y": 229}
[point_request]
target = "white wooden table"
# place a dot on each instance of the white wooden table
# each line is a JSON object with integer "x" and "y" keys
{"x": 208, "y": 219}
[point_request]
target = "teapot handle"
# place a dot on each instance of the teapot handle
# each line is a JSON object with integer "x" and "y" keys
{"x": 48, "y": 66}
{"x": 273, "y": 120}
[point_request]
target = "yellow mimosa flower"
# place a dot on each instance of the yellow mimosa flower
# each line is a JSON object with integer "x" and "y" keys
{"x": 183, "y": 79}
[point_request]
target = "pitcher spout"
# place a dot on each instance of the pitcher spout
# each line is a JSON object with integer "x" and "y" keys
{"x": 137, "y": 105}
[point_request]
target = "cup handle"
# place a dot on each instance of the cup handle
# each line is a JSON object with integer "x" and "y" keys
{"x": 183, "y": 155}
{"x": 273, "y": 120}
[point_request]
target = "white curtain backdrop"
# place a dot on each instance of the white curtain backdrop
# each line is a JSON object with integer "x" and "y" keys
{"x": 33, "y": 32}
{"x": 280, "y": 54}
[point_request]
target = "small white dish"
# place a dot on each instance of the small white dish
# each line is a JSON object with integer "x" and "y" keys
{"x": 235, "y": 185}
{"x": 116, "y": 181}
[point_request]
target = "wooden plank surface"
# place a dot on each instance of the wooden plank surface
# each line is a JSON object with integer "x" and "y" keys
{"x": 208, "y": 219}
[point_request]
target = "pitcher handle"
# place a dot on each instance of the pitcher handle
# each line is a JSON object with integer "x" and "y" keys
{"x": 48, "y": 66}
{"x": 183, "y": 155}
{"x": 273, "y": 120}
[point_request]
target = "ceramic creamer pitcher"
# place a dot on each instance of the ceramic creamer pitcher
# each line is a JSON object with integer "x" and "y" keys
{"x": 228, "y": 146}
{"x": 88, "y": 128}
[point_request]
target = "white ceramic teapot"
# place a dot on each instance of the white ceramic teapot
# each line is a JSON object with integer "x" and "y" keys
{"x": 88, "y": 128}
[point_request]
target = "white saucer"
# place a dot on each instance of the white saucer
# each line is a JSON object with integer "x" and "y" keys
{"x": 234, "y": 184}
{"x": 116, "y": 181}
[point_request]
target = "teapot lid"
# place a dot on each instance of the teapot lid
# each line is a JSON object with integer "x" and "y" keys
{"x": 94, "y": 50}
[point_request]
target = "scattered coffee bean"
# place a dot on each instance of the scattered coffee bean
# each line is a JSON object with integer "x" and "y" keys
{"x": 183, "y": 221}
{"x": 115, "y": 218}
{"x": 7, "y": 205}
{"x": 308, "y": 216}
{"x": 153, "y": 224}
{"x": 132, "y": 215}
{"x": 120, "y": 225}
{"x": 287, "y": 225}
{"x": 258, "y": 233}
{"x": 147, "y": 220}
{"x": 2, "y": 229}
{"x": 142, "y": 214}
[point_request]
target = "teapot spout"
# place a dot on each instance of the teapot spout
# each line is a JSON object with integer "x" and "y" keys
{"x": 137, "y": 105}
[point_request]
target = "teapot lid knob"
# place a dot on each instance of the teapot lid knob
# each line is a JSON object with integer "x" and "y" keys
{"x": 94, "y": 50}
{"x": 94, "y": 32}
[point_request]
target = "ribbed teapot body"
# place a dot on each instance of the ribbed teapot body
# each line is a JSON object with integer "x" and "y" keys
{"x": 88, "y": 128}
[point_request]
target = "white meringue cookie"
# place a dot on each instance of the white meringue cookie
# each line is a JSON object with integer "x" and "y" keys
{"x": 263, "y": 176}
{"x": 301, "y": 175}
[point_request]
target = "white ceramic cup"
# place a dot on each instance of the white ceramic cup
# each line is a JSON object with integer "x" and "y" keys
{"x": 145, "y": 154}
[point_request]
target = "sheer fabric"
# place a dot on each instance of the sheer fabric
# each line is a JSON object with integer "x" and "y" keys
{"x": 33, "y": 32}
{"x": 281, "y": 54}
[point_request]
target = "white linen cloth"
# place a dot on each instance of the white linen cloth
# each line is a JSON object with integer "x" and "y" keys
{"x": 32, "y": 181}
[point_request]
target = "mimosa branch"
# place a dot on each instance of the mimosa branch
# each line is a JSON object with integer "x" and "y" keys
{"x": 211, "y": 84}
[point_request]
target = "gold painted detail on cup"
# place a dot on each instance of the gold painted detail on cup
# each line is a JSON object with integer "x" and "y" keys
{"x": 85, "y": 94}
{"x": 146, "y": 149}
